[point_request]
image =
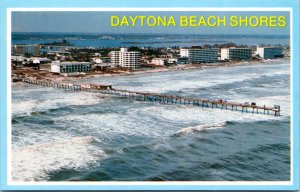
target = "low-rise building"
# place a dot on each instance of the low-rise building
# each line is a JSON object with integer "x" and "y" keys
{"x": 96, "y": 60}
{"x": 236, "y": 53}
{"x": 70, "y": 67}
{"x": 270, "y": 52}
{"x": 18, "y": 58}
{"x": 102, "y": 66}
{"x": 38, "y": 60}
{"x": 18, "y": 61}
{"x": 183, "y": 60}
{"x": 171, "y": 61}
{"x": 158, "y": 61}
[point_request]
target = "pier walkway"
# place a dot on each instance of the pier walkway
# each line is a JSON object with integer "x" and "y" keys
{"x": 161, "y": 98}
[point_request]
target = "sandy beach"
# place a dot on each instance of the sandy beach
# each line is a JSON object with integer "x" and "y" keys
{"x": 43, "y": 74}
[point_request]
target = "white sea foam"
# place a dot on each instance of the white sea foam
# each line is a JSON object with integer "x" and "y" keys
{"x": 192, "y": 114}
{"x": 188, "y": 130}
{"x": 36, "y": 162}
{"x": 164, "y": 84}
{"x": 113, "y": 124}
{"x": 284, "y": 101}
{"x": 53, "y": 101}
{"x": 151, "y": 121}
{"x": 37, "y": 134}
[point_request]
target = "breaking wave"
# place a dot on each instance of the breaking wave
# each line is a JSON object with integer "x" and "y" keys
{"x": 36, "y": 162}
{"x": 57, "y": 101}
{"x": 198, "y": 128}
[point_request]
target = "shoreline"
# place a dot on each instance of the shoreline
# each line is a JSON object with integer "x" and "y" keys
{"x": 45, "y": 75}
{"x": 183, "y": 67}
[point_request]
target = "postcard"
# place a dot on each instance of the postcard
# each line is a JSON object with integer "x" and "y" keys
{"x": 128, "y": 95}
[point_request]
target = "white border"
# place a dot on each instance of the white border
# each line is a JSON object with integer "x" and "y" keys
{"x": 140, "y": 183}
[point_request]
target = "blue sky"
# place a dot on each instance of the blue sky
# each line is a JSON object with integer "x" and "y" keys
{"x": 99, "y": 22}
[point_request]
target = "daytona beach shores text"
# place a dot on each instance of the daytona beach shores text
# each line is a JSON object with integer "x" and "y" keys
{"x": 198, "y": 21}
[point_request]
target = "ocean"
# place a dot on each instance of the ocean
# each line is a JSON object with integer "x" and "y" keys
{"x": 147, "y": 40}
{"x": 60, "y": 135}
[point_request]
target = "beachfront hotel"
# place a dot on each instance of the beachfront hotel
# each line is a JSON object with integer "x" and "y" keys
{"x": 71, "y": 67}
{"x": 125, "y": 58}
{"x": 270, "y": 52}
{"x": 22, "y": 49}
{"x": 234, "y": 53}
{"x": 199, "y": 55}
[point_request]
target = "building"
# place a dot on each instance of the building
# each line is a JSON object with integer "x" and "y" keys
{"x": 115, "y": 57}
{"x": 103, "y": 66}
{"x": 270, "y": 52}
{"x": 184, "y": 52}
{"x": 171, "y": 61}
{"x": 99, "y": 60}
{"x": 236, "y": 53}
{"x": 125, "y": 58}
{"x": 17, "y": 61}
{"x": 18, "y": 58}
{"x": 71, "y": 67}
{"x": 22, "y": 49}
{"x": 158, "y": 61}
{"x": 199, "y": 55}
{"x": 183, "y": 60}
{"x": 38, "y": 60}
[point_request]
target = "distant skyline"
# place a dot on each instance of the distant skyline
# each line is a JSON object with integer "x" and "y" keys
{"x": 99, "y": 22}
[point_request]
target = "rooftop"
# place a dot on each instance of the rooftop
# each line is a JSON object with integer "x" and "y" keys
{"x": 70, "y": 63}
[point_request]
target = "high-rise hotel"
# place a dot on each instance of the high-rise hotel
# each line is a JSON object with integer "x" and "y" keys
{"x": 197, "y": 54}
{"x": 125, "y": 58}
{"x": 270, "y": 52}
{"x": 234, "y": 53}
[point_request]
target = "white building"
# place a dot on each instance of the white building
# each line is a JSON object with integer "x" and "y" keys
{"x": 18, "y": 58}
{"x": 184, "y": 52}
{"x": 115, "y": 57}
{"x": 97, "y": 60}
{"x": 172, "y": 61}
{"x": 125, "y": 58}
{"x": 38, "y": 60}
{"x": 270, "y": 52}
{"x": 234, "y": 53}
{"x": 158, "y": 61}
{"x": 70, "y": 67}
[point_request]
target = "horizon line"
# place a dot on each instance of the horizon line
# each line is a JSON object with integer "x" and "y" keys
{"x": 141, "y": 33}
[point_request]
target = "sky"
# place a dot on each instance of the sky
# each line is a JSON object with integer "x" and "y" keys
{"x": 100, "y": 22}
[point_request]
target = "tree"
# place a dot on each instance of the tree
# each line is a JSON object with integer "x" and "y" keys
{"x": 134, "y": 48}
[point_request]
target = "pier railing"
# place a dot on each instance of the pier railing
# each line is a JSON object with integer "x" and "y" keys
{"x": 160, "y": 98}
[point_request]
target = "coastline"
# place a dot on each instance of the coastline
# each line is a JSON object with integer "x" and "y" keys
{"x": 45, "y": 75}
{"x": 183, "y": 67}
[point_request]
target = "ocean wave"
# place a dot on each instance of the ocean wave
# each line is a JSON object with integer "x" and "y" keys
{"x": 56, "y": 101}
{"x": 283, "y": 100}
{"x": 36, "y": 162}
{"x": 198, "y": 128}
{"x": 208, "y": 80}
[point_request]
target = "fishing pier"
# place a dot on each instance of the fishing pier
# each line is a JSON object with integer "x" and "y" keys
{"x": 160, "y": 98}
